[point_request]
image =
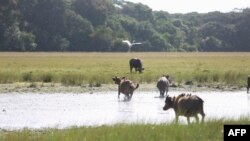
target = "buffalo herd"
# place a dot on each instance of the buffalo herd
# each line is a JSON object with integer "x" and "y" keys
{"x": 183, "y": 105}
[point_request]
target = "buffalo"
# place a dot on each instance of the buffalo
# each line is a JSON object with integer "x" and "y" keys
{"x": 137, "y": 64}
{"x": 163, "y": 85}
{"x": 248, "y": 83}
{"x": 125, "y": 86}
{"x": 186, "y": 105}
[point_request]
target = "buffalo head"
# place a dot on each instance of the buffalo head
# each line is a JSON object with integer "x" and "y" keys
{"x": 168, "y": 103}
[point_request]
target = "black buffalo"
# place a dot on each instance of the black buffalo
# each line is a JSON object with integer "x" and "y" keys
{"x": 137, "y": 64}
{"x": 248, "y": 83}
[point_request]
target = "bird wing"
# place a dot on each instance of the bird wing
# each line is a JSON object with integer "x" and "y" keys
{"x": 136, "y": 43}
{"x": 127, "y": 42}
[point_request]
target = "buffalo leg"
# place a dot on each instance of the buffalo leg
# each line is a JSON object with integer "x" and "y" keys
{"x": 166, "y": 91}
{"x": 188, "y": 120}
{"x": 136, "y": 69}
{"x": 203, "y": 116}
{"x": 197, "y": 118}
{"x": 127, "y": 96}
{"x": 176, "y": 118}
{"x": 131, "y": 95}
{"x": 118, "y": 93}
{"x": 162, "y": 93}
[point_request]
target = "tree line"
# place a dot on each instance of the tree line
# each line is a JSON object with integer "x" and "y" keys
{"x": 102, "y": 25}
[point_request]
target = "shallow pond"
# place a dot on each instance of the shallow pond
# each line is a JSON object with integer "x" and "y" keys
{"x": 18, "y": 111}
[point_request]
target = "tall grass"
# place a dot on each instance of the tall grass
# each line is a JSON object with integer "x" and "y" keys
{"x": 211, "y": 130}
{"x": 99, "y": 68}
{"x": 8, "y": 76}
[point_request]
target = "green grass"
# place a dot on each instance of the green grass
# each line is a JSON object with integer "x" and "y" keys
{"x": 211, "y": 130}
{"x": 99, "y": 68}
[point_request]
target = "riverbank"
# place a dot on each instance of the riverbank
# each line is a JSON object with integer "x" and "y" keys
{"x": 38, "y": 87}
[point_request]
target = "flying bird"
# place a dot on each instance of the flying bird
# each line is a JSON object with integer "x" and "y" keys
{"x": 130, "y": 44}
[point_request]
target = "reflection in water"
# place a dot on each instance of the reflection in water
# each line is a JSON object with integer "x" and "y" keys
{"x": 18, "y": 111}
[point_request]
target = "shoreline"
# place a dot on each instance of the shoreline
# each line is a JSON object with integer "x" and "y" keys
{"x": 39, "y": 87}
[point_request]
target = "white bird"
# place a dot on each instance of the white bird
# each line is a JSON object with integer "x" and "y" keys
{"x": 130, "y": 44}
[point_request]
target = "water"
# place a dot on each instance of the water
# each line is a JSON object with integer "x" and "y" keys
{"x": 37, "y": 111}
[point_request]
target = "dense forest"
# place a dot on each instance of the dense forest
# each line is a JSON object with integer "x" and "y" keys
{"x": 102, "y": 25}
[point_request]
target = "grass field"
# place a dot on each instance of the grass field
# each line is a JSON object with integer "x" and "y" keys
{"x": 99, "y": 68}
{"x": 209, "y": 131}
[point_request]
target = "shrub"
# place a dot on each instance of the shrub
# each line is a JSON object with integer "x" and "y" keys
{"x": 27, "y": 76}
{"x": 72, "y": 79}
{"x": 46, "y": 77}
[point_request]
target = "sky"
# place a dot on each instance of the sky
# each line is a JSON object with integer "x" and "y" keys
{"x": 200, "y": 6}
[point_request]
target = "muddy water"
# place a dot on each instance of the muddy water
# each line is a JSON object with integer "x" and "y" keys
{"x": 18, "y": 111}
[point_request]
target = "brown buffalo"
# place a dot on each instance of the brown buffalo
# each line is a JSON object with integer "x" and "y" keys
{"x": 137, "y": 64}
{"x": 185, "y": 105}
{"x": 125, "y": 86}
{"x": 248, "y": 83}
{"x": 163, "y": 85}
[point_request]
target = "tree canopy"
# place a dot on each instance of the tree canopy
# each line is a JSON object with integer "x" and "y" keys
{"x": 102, "y": 25}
